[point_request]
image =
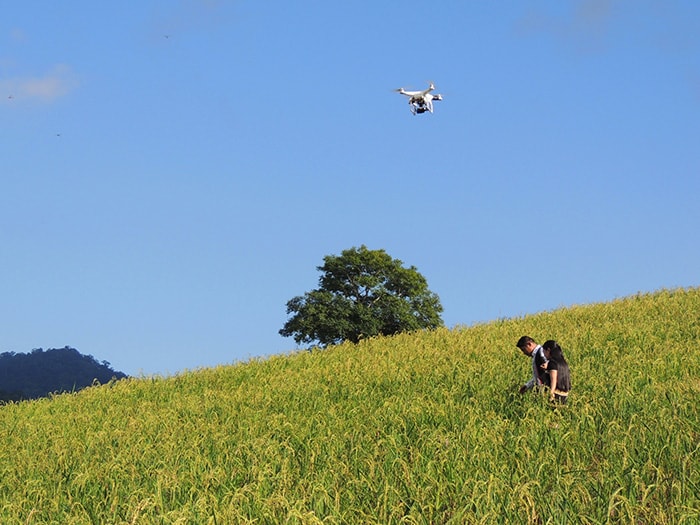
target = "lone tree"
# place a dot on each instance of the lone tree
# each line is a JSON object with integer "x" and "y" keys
{"x": 362, "y": 293}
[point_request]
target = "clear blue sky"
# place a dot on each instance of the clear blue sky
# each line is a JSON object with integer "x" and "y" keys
{"x": 173, "y": 172}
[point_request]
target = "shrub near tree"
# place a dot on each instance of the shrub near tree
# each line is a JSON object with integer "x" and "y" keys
{"x": 362, "y": 293}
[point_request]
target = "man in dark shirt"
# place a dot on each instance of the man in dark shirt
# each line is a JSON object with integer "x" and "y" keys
{"x": 530, "y": 348}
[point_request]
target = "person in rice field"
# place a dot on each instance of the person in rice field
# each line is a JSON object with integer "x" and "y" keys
{"x": 557, "y": 369}
{"x": 530, "y": 348}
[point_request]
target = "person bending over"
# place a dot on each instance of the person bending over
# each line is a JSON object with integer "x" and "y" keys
{"x": 530, "y": 348}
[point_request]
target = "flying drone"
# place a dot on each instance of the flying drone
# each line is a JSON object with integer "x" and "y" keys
{"x": 421, "y": 101}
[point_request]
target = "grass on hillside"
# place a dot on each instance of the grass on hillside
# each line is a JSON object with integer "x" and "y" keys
{"x": 421, "y": 428}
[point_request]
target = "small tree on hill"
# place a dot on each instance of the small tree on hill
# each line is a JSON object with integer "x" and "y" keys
{"x": 362, "y": 293}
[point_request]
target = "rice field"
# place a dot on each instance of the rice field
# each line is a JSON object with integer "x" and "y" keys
{"x": 422, "y": 428}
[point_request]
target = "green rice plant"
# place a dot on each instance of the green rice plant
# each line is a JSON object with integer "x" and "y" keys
{"x": 418, "y": 428}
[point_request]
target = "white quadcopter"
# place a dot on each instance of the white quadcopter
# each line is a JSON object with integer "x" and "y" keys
{"x": 421, "y": 101}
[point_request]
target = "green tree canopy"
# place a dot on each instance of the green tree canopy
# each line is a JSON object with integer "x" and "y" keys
{"x": 362, "y": 293}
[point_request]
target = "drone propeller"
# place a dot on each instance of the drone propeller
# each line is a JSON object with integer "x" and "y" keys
{"x": 436, "y": 96}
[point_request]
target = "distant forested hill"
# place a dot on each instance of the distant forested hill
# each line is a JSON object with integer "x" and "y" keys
{"x": 56, "y": 370}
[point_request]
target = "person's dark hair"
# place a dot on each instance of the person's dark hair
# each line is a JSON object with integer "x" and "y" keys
{"x": 554, "y": 348}
{"x": 555, "y": 354}
{"x": 524, "y": 340}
